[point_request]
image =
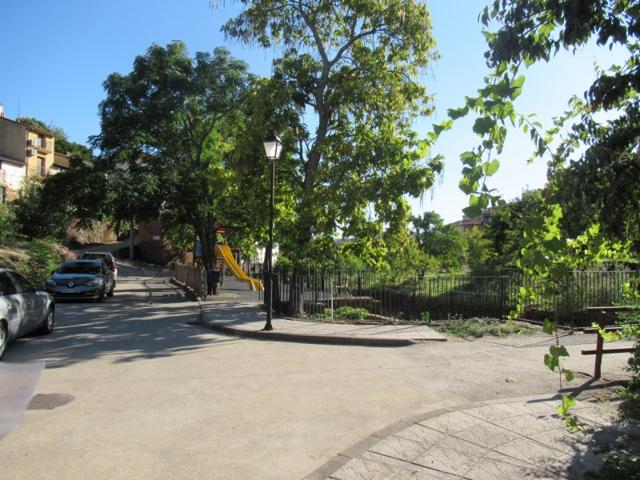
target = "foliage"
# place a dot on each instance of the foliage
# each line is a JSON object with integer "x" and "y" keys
{"x": 168, "y": 130}
{"x": 425, "y": 317}
{"x": 594, "y": 164}
{"x": 479, "y": 252}
{"x": 37, "y": 215}
{"x": 444, "y": 242}
{"x": 345, "y": 92}
{"x": 619, "y": 463}
{"x": 8, "y": 226}
{"x": 478, "y": 327}
{"x": 343, "y": 313}
{"x": 42, "y": 260}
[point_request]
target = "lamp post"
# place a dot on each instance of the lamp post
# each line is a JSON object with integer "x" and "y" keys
{"x": 273, "y": 149}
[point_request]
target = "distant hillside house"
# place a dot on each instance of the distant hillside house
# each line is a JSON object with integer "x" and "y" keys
{"x": 25, "y": 151}
{"x": 468, "y": 223}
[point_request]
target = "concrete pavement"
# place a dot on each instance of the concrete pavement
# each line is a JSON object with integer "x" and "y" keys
{"x": 492, "y": 440}
{"x": 238, "y": 311}
{"x": 150, "y": 396}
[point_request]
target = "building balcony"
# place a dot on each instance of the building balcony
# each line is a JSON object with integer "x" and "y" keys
{"x": 42, "y": 144}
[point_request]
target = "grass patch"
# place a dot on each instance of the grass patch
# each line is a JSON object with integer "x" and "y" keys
{"x": 479, "y": 327}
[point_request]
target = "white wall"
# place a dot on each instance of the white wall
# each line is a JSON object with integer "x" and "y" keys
{"x": 13, "y": 175}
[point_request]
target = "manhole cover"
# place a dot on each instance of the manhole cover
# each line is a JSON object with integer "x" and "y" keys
{"x": 49, "y": 401}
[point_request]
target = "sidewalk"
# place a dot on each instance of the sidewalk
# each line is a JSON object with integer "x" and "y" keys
{"x": 238, "y": 311}
{"x": 493, "y": 440}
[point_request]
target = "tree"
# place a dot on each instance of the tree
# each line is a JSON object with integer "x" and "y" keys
{"x": 166, "y": 132}
{"x": 350, "y": 72}
{"x": 595, "y": 161}
{"x": 444, "y": 242}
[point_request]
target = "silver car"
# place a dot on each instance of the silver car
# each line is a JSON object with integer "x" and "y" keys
{"x": 81, "y": 279}
{"x": 23, "y": 308}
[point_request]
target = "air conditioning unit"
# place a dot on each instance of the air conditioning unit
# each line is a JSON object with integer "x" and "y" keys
{"x": 31, "y": 152}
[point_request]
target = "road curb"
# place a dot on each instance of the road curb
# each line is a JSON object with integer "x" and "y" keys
{"x": 300, "y": 338}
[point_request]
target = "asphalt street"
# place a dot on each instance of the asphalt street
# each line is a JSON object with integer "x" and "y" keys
{"x": 144, "y": 394}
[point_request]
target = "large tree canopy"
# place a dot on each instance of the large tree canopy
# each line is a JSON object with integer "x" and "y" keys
{"x": 348, "y": 73}
{"x": 167, "y": 129}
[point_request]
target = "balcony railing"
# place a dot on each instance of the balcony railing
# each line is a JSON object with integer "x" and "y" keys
{"x": 41, "y": 144}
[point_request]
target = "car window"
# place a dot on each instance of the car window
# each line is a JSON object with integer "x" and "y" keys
{"x": 81, "y": 268}
{"x": 99, "y": 256}
{"x": 6, "y": 285}
{"x": 22, "y": 283}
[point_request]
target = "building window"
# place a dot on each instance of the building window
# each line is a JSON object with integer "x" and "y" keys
{"x": 42, "y": 166}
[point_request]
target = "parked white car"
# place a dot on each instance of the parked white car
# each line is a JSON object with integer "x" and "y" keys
{"x": 23, "y": 308}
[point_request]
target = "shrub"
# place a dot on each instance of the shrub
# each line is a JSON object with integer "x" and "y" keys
{"x": 42, "y": 259}
{"x": 8, "y": 230}
{"x": 478, "y": 327}
{"x": 425, "y": 317}
{"x": 343, "y": 313}
{"x": 38, "y": 215}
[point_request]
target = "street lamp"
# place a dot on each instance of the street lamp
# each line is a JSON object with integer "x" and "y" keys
{"x": 273, "y": 149}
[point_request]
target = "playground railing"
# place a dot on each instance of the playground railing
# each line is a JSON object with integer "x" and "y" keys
{"x": 193, "y": 277}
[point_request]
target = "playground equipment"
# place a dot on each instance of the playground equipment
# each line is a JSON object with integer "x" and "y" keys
{"x": 223, "y": 250}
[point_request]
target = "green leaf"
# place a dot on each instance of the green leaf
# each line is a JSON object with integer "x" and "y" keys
{"x": 469, "y": 158}
{"x": 548, "y": 326}
{"x": 491, "y": 167}
{"x": 551, "y": 362}
{"x": 472, "y": 211}
{"x": 455, "y": 113}
{"x": 560, "y": 351}
{"x": 483, "y": 125}
{"x": 566, "y": 404}
{"x": 438, "y": 128}
{"x": 568, "y": 374}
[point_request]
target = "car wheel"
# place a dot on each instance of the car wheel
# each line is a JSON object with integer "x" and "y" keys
{"x": 4, "y": 338}
{"x": 113, "y": 287}
{"x": 48, "y": 323}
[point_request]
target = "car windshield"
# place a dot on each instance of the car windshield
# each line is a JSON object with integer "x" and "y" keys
{"x": 97, "y": 256}
{"x": 85, "y": 268}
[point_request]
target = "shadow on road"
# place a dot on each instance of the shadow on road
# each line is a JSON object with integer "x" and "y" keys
{"x": 146, "y": 319}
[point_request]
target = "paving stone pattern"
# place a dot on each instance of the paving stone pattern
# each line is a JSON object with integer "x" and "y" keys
{"x": 485, "y": 441}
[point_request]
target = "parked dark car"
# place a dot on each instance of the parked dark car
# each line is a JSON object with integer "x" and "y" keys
{"x": 108, "y": 259}
{"x": 82, "y": 279}
{"x": 23, "y": 308}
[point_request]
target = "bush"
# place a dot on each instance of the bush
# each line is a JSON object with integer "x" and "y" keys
{"x": 39, "y": 215}
{"x": 8, "y": 229}
{"x": 42, "y": 259}
{"x": 343, "y": 313}
{"x": 478, "y": 327}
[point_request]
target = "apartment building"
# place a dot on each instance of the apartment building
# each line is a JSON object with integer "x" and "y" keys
{"x": 25, "y": 151}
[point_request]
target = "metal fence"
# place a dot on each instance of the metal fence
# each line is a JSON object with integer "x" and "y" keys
{"x": 409, "y": 297}
{"x": 193, "y": 277}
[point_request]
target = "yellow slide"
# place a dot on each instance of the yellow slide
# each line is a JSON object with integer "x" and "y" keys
{"x": 225, "y": 252}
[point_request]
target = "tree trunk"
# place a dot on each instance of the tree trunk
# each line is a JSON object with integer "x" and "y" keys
{"x": 131, "y": 248}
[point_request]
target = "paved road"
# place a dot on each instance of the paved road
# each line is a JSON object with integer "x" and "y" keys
{"x": 157, "y": 398}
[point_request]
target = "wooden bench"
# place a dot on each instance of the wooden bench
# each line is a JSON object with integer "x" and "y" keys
{"x": 601, "y": 313}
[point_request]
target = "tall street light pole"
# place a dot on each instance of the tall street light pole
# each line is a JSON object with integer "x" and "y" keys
{"x": 273, "y": 149}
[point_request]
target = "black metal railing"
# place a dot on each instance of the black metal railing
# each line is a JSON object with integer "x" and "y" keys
{"x": 421, "y": 296}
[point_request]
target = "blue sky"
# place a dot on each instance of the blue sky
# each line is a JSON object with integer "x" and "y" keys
{"x": 54, "y": 57}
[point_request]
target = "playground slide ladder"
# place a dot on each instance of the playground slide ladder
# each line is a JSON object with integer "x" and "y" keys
{"x": 225, "y": 252}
